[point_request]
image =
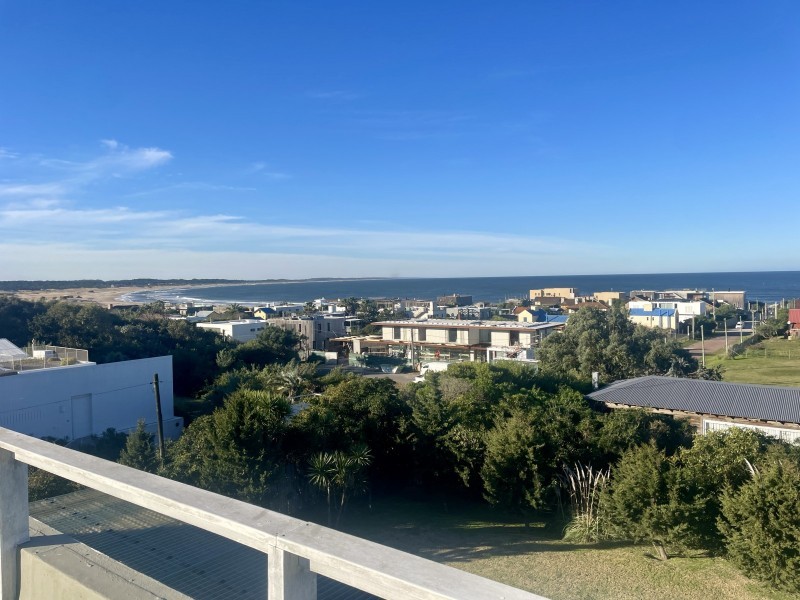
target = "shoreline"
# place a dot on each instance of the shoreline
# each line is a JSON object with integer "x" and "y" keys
{"x": 106, "y": 297}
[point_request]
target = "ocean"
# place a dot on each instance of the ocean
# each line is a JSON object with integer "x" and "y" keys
{"x": 763, "y": 286}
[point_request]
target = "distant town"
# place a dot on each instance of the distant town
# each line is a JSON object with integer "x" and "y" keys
{"x": 308, "y": 408}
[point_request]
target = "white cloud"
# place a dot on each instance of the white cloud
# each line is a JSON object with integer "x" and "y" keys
{"x": 7, "y": 154}
{"x": 121, "y": 159}
{"x": 26, "y": 190}
{"x": 264, "y": 169}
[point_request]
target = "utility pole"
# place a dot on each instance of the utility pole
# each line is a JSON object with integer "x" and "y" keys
{"x": 726, "y": 337}
{"x": 159, "y": 420}
{"x": 703, "y": 345}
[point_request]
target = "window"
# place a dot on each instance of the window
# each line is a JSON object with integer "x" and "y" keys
{"x": 329, "y": 326}
{"x": 396, "y": 333}
{"x": 513, "y": 338}
{"x": 422, "y": 334}
{"x": 452, "y": 335}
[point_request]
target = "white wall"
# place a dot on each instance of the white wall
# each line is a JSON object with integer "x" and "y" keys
{"x": 241, "y": 331}
{"x": 71, "y": 402}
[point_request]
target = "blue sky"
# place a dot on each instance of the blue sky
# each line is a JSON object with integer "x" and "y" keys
{"x": 311, "y": 139}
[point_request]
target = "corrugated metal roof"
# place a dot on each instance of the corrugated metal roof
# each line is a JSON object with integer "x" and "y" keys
{"x": 760, "y": 402}
{"x": 187, "y": 559}
{"x": 9, "y": 350}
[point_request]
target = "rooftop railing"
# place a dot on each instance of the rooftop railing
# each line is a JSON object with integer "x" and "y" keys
{"x": 297, "y": 550}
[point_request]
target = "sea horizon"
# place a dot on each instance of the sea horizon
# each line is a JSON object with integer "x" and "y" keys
{"x": 765, "y": 286}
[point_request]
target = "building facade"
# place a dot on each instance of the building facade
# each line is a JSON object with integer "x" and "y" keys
{"x": 76, "y": 401}
{"x": 314, "y": 330}
{"x": 242, "y": 330}
{"x": 449, "y": 340}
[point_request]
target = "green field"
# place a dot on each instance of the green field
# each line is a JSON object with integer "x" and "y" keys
{"x": 476, "y": 539}
{"x": 771, "y": 362}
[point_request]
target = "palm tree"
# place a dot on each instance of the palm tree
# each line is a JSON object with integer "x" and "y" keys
{"x": 342, "y": 473}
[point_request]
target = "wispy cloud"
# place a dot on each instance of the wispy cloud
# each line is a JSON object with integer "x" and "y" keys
{"x": 58, "y": 178}
{"x": 58, "y": 215}
{"x": 27, "y": 190}
{"x": 200, "y": 186}
{"x": 6, "y": 154}
{"x": 266, "y": 171}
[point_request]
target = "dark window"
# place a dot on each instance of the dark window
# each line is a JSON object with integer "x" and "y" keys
{"x": 423, "y": 334}
{"x": 396, "y": 333}
{"x": 513, "y": 338}
{"x": 452, "y": 335}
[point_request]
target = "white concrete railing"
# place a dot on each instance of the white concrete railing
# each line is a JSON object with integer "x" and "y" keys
{"x": 297, "y": 550}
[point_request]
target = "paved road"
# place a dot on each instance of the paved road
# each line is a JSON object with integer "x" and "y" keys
{"x": 716, "y": 342}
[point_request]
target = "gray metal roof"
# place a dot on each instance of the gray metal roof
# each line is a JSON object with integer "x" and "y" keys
{"x": 760, "y": 402}
{"x": 187, "y": 559}
{"x": 9, "y": 350}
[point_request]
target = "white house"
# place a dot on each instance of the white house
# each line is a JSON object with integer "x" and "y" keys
{"x": 454, "y": 340}
{"x": 242, "y": 330}
{"x": 685, "y": 310}
{"x": 79, "y": 400}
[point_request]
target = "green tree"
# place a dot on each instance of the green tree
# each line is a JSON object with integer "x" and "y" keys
{"x": 761, "y": 525}
{"x": 15, "y": 318}
{"x": 351, "y": 305}
{"x": 237, "y": 449}
{"x": 272, "y": 345}
{"x": 357, "y": 412}
{"x": 642, "y": 502}
{"x": 510, "y": 470}
{"x": 717, "y": 462}
{"x": 624, "y": 429}
{"x": 368, "y": 311}
{"x": 140, "y": 451}
{"x": 607, "y": 342}
{"x": 705, "y": 323}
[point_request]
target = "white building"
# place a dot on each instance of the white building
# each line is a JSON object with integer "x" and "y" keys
{"x": 685, "y": 310}
{"x": 83, "y": 399}
{"x": 242, "y": 330}
{"x": 454, "y": 340}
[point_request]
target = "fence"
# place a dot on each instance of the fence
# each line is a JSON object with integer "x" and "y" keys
{"x": 296, "y": 550}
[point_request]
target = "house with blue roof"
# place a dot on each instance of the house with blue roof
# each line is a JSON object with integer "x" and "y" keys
{"x": 663, "y": 318}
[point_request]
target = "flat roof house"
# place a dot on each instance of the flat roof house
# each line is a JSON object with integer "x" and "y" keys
{"x": 241, "y": 330}
{"x": 449, "y": 340}
{"x": 47, "y": 392}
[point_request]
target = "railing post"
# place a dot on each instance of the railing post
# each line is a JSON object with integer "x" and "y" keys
{"x": 13, "y": 521}
{"x": 290, "y": 577}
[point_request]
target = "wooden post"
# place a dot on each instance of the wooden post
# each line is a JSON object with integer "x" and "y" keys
{"x": 290, "y": 577}
{"x": 13, "y": 521}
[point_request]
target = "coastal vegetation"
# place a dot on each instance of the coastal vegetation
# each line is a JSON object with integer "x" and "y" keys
{"x": 501, "y": 436}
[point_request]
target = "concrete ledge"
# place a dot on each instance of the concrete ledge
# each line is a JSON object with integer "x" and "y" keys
{"x": 54, "y": 565}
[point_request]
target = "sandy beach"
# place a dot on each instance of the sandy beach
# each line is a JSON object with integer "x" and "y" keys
{"x": 106, "y": 297}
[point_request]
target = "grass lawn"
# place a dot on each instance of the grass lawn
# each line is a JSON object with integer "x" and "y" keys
{"x": 476, "y": 539}
{"x": 771, "y": 362}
